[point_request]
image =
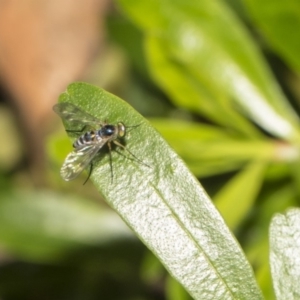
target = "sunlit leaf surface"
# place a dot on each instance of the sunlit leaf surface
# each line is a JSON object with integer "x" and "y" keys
{"x": 285, "y": 254}
{"x": 165, "y": 205}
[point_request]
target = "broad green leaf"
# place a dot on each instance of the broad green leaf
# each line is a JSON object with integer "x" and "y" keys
{"x": 165, "y": 205}
{"x": 279, "y": 23}
{"x": 237, "y": 197}
{"x": 210, "y": 150}
{"x": 285, "y": 254}
{"x": 44, "y": 226}
{"x": 209, "y": 42}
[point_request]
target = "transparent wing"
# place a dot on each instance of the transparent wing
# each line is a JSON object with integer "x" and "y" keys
{"x": 72, "y": 113}
{"x": 79, "y": 159}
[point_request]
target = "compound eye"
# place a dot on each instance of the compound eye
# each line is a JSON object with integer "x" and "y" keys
{"x": 121, "y": 129}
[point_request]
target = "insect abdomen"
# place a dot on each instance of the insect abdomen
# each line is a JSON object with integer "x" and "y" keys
{"x": 86, "y": 138}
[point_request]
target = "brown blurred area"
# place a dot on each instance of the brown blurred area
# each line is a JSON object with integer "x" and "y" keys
{"x": 44, "y": 46}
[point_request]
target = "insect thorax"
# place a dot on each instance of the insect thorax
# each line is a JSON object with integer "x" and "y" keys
{"x": 107, "y": 132}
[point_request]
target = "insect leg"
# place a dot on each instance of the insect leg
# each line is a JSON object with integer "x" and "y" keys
{"x": 131, "y": 127}
{"x": 110, "y": 162}
{"x": 90, "y": 173}
{"x": 126, "y": 156}
{"x": 123, "y": 147}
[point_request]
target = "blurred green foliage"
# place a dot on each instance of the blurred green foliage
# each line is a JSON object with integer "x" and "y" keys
{"x": 204, "y": 71}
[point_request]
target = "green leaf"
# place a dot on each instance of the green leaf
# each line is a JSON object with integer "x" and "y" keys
{"x": 44, "y": 226}
{"x": 192, "y": 93}
{"x": 279, "y": 23}
{"x": 237, "y": 197}
{"x": 166, "y": 206}
{"x": 206, "y": 40}
{"x": 285, "y": 253}
{"x": 210, "y": 150}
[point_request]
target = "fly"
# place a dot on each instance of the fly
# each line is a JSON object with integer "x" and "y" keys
{"x": 91, "y": 142}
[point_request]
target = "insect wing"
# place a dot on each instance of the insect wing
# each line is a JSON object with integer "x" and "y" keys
{"x": 74, "y": 114}
{"x": 79, "y": 159}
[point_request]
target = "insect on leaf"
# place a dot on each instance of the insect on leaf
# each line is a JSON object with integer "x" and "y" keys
{"x": 165, "y": 205}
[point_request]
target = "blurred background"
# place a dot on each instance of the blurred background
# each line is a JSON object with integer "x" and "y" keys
{"x": 218, "y": 79}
